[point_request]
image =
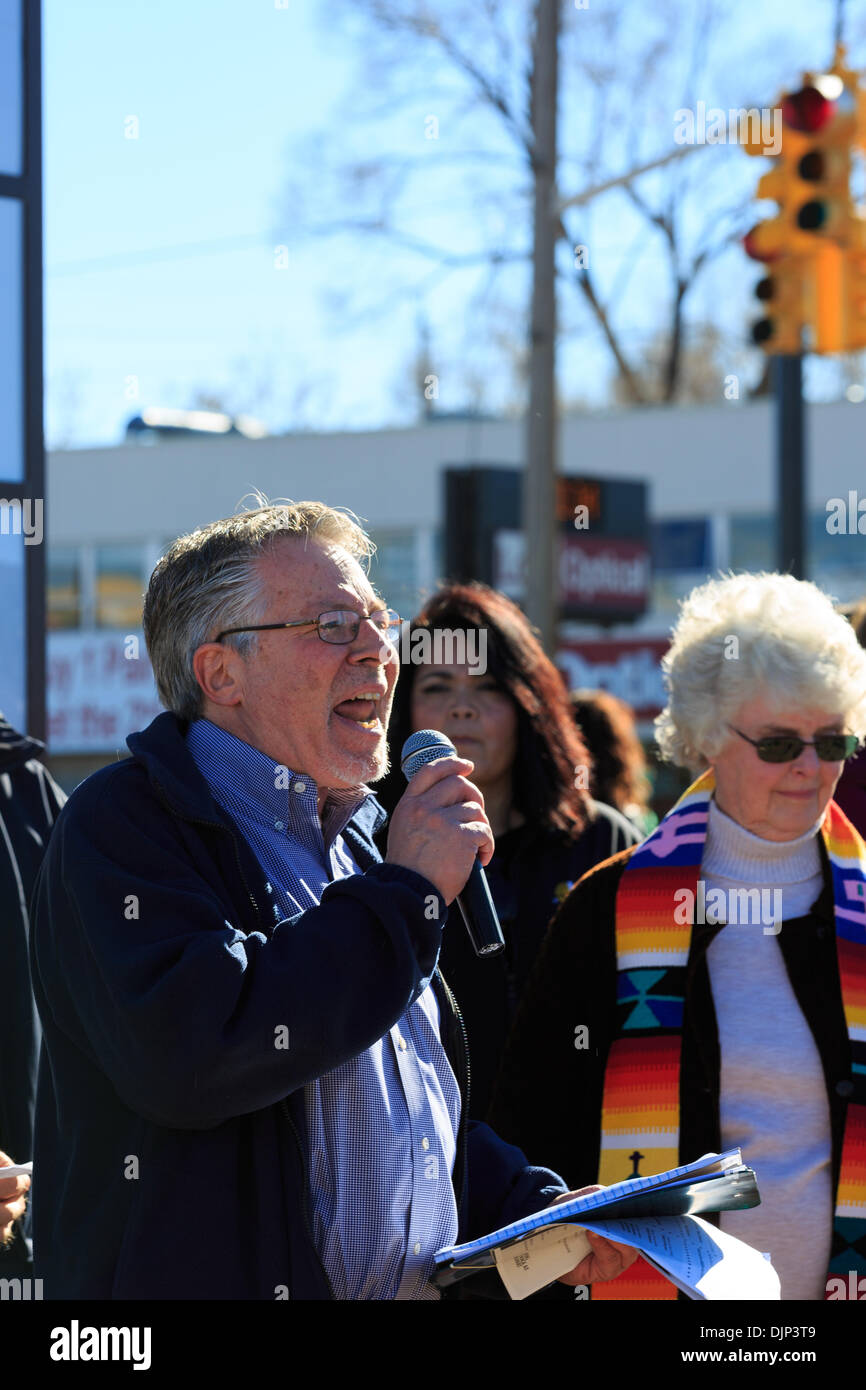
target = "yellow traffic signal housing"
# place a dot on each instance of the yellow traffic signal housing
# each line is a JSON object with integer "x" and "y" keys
{"x": 781, "y": 235}
{"x": 783, "y": 294}
{"x": 815, "y": 248}
{"x": 823, "y": 205}
{"x": 855, "y": 300}
{"x": 826, "y": 308}
{"x": 809, "y": 181}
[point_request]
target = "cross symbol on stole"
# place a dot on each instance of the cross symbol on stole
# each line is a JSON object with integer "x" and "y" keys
{"x": 635, "y": 1158}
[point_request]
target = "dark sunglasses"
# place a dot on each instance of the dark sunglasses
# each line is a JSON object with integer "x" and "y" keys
{"x": 784, "y": 748}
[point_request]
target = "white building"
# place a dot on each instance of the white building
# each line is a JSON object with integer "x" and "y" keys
{"x": 110, "y": 513}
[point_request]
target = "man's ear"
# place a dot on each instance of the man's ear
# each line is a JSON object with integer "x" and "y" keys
{"x": 219, "y": 671}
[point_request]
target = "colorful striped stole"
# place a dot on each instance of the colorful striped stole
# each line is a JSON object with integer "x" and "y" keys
{"x": 641, "y": 1106}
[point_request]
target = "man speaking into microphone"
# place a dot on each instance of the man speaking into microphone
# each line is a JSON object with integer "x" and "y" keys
{"x": 253, "y": 1079}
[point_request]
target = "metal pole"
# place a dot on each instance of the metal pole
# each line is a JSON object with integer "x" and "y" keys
{"x": 33, "y": 366}
{"x": 790, "y": 464}
{"x": 539, "y": 497}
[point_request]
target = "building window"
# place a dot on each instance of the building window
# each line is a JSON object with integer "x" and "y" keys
{"x": 63, "y": 588}
{"x": 393, "y": 570}
{"x": 119, "y": 586}
{"x": 753, "y": 543}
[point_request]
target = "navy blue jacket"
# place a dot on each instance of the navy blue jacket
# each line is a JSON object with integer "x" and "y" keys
{"x": 170, "y": 1149}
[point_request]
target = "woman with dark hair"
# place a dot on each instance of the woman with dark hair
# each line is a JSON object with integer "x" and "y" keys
{"x": 619, "y": 775}
{"x": 508, "y": 711}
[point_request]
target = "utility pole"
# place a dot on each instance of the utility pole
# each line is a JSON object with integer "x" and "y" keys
{"x": 539, "y": 481}
{"x": 790, "y": 464}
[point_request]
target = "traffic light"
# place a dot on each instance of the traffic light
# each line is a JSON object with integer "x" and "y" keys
{"x": 814, "y": 292}
{"x": 782, "y": 293}
{"x": 818, "y": 125}
{"x": 811, "y": 178}
{"x": 778, "y": 236}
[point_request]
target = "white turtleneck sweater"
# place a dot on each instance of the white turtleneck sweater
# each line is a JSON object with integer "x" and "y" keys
{"x": 773, "y": 1095}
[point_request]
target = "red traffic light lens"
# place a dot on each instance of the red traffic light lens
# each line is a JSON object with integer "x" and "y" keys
{"x": 751, "y": 249}
{"x": 807, "y": 109}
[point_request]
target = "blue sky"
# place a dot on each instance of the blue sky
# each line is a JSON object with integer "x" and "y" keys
{"x": 161, "y": 275}
{"x": 219, "y": 90}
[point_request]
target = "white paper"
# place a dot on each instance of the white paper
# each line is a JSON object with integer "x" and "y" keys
{"x": 702, "y": 1261}
{"x": 16, "y": 1170}
{"x": 538, "y": 1260}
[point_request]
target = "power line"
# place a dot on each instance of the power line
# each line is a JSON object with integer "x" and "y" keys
{"x": 157, "y": 254}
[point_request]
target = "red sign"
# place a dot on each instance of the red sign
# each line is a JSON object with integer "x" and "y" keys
{"x": 595, "y": 572}
{"x": 597, "y": 575}
{"x": 628, "y": 667}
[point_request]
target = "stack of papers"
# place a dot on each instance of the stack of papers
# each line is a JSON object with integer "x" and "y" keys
{"x": 657, "y": 1215}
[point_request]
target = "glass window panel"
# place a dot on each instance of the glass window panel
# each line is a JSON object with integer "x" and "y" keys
{"x": 63, "y": 589}
{"x": 119, "y": 586}
{"x": 393, "y": 570}
{"x": 11, "y": 86}
{"x": 13, "y": 650}
{"x": 753, "y": 543}
{"x": 438, "y": 553}
{"x": 836, "y": 549}
{"x": 11, "y": 345}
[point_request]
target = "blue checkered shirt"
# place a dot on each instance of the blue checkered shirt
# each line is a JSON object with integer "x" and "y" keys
{"x": 381, "y": 1128}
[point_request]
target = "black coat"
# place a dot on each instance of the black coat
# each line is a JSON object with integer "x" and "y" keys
{"x": 160, "y": 972}
{"x": 30, "y": 801}
{"x": 549, "y": 1094}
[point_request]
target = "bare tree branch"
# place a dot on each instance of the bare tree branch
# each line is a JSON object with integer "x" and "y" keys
{"x": 587, "y": 288}
{"x": 618, "y": 81}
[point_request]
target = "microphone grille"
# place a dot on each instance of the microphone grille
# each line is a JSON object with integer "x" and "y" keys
{"x": 423, "y": 748}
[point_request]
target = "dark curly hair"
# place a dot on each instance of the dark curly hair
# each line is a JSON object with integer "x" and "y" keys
{"x": 549, "y": 745}
{"x": 607, "y": 724}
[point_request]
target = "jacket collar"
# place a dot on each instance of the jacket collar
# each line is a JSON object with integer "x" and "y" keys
{"x": 162, "y": 751}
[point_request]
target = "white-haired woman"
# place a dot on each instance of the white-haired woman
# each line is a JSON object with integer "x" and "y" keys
{"x": 707, "y": 989}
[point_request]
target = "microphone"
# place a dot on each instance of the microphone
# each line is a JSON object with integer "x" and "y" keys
{"x": 475, "y": 902}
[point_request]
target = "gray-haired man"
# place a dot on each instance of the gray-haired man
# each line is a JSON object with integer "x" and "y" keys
{"x": 251, "y": 1081}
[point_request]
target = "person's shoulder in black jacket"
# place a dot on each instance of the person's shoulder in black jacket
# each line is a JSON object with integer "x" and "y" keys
{"x": 549, "y": 1088}
{"x": 30, "y": 801}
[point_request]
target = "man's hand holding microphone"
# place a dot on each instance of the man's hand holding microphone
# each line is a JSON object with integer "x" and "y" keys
{"x": 445, "y": 826}
{"x": 439, "y": 826}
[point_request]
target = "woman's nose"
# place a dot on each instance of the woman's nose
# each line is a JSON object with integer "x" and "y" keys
{"x": 807, "y": 760}
{"x": 462, "y": 705}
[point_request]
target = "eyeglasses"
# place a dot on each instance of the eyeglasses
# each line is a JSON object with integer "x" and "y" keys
{"x": 784, "y": 748}
{"x": 338, "y": 626}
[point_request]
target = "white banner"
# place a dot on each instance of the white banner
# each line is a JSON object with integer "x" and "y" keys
{"x": 99, "y": 688}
